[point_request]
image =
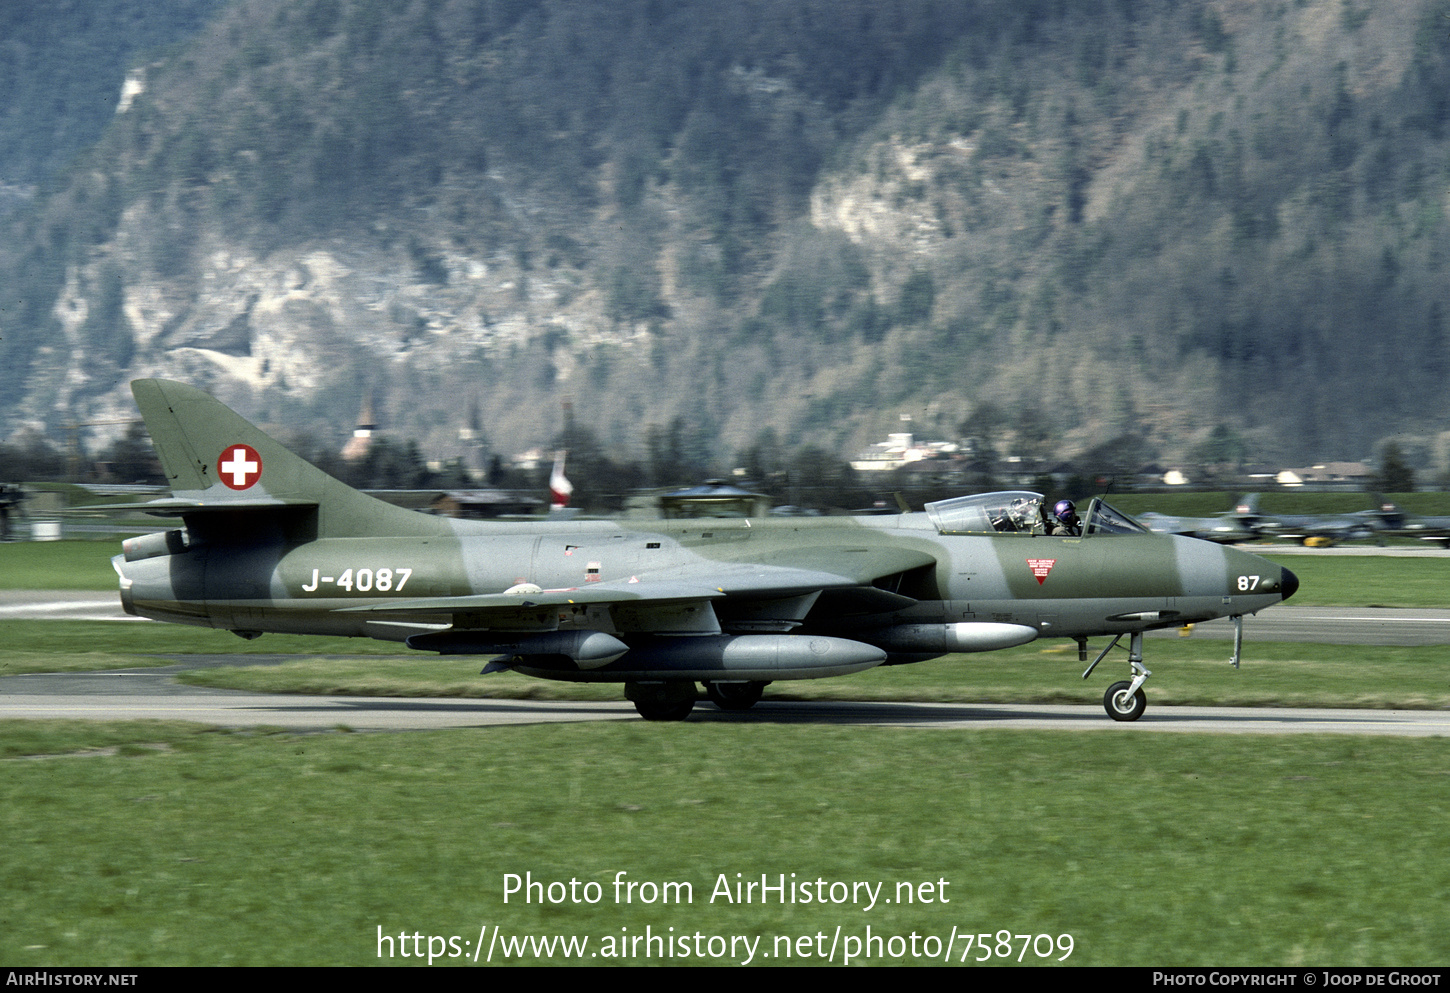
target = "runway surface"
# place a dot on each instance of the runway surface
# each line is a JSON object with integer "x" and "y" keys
{"x": 153, "y": 694}
{"x": 1335, "y": 626}
{"x": 62, "y": 605}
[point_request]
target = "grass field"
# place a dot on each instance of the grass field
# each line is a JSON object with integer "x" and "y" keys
{"x": 1188, "y": 670}
{"x": 1211, "y": 504}
{"x": 173, "y": 845}
{"x": 169, "y": 844}
{"x": 58, "y": 565}
{"x": 1371, "y": 581}
{"x": 1188, "y": 673}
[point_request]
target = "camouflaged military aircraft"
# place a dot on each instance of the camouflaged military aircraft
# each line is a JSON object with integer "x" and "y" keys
{"x": 1394, "y": 521}
{"x": 271, "y": 543}
{"x": 1312, "y": 530}
{"x": 1235, "y": 526}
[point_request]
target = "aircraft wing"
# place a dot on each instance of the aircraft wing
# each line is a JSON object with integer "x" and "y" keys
{"x": 498, "y": 605}
{"x": 827, "y": 565}
{"x": 651, "y": 603}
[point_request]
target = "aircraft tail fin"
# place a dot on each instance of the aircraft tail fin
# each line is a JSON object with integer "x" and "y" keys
{"x": 1389, "y": 512}
{"x": 217, "y": 462}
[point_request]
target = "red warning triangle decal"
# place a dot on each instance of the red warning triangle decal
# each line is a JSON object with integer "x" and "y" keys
{"x": 1040, "y": 568}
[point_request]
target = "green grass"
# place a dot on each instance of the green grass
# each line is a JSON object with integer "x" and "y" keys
{"x": 86, "y": 646}
{"x": 1186, "y": 672}
{"x": 170, "y": 844}
{"x": 1191, "y": 670}
{"x": 58, "y": 565}
{"x": 1369, "y": 581}
{"x": 193, "y": 847}
{"x": 1212, "y": 504}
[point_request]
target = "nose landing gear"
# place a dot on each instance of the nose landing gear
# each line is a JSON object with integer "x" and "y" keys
{"x": 1125, "y": 701}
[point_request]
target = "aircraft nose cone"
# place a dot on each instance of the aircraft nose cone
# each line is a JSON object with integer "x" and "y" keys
{"x": 1288, "y": 584}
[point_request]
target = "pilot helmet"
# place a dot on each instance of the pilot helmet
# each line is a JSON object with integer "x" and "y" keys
{"x": 1064, "y": 511}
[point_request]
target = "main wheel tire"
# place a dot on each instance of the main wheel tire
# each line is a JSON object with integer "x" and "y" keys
{"x": 666, "y": 701}
{"x": 1124, "y": 707}
{"x": 735, "y": 696}
{"x": 655, "y": 710}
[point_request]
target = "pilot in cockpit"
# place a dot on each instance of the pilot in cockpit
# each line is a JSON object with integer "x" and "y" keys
{"x": 1063, "y": 520}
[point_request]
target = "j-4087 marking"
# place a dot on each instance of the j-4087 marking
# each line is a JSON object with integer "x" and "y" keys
{"x": 362, "y": 580}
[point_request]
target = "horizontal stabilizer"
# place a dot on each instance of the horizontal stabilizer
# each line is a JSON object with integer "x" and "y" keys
{"x": 177, "y": 506}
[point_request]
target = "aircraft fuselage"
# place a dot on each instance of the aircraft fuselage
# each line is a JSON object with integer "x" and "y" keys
{"x": 1057, "y": 586}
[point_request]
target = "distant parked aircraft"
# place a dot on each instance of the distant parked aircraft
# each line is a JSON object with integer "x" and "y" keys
{"x": 1397, "y": 522}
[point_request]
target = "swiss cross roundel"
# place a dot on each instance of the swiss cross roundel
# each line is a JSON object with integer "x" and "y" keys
{"x": 239, "y": 466}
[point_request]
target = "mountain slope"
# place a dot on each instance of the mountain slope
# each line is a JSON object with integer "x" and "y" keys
{"x": 1111, "y": 218}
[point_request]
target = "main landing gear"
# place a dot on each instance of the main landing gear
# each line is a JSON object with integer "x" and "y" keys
{"x": 735, "y": 696}
{"x": 670, "y": 700}
{"x": 674, "y": 699}
{"x": 1125, "y": 701}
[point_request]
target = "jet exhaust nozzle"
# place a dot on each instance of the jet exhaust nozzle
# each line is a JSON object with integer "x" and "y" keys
{"x": 149, "y": 546}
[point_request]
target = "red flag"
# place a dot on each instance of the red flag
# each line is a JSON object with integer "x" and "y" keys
{"x": 559, "y": 487}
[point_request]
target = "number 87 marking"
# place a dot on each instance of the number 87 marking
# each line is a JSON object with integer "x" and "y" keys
{"x": 1247, "y": 584}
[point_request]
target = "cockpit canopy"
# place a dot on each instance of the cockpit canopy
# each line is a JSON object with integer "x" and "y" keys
{"x": 1020, "y": 512}
{"x": 1009, "y": 511}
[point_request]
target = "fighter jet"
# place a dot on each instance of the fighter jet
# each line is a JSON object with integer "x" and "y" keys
{"x": 1395, "y": 521}
{"x": 1312, "y": 530}
{"x": 1230, "y": 528}
{"x": 270, "y": 543}
{"x": 1247, "y": 523}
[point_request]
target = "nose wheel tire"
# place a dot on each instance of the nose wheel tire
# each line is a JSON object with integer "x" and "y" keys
{"x": 1123, "y": 704}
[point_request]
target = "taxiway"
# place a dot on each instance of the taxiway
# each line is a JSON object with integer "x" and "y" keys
{"x": 136, "y": 694}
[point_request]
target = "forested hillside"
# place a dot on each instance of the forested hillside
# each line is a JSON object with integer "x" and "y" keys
{"x": 62, "y": 65}
{"x": 1213, "y": 229}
